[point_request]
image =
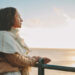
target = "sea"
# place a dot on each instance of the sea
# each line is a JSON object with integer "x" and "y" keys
{"x": 61, "y": 57}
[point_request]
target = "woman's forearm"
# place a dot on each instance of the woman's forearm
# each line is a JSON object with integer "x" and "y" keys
{"x": 19, "y": 60}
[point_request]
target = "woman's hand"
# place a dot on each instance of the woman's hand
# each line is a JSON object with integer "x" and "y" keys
{"x": 36, "y": 58}
{"x": 46, "y": 60}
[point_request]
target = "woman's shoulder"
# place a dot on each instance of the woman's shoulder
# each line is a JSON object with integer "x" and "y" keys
{"x": 5, "y": 33}
{"x": 7, "y": 43}
{"x": 6, "y": 36}
{"x": 2, "y": 33}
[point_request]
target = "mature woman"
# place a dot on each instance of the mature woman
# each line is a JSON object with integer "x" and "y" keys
{"x": 13, "y": 50}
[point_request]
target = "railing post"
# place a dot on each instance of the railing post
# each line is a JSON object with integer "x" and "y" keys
{"x": 40, "y": 67}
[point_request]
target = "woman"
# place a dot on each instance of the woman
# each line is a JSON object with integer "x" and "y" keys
{"x": 13, "y": 50}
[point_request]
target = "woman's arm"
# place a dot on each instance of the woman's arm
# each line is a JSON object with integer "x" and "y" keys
{"x": 6, "y": 67}
{"x": 20, "y": 60}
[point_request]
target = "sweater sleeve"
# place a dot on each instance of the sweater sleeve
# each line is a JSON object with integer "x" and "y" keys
{"x": 19, "y": 60}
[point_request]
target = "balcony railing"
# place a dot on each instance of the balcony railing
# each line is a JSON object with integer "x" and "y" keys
{"x": 41, "y": 66}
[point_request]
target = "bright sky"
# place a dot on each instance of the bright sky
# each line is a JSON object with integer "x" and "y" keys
{"x": 46, "y": 23}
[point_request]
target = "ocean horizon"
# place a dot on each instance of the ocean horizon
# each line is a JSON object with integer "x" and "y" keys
{"x": 58, "y": 56}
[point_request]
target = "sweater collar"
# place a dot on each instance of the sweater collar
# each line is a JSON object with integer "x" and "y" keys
{"x": 14, "y": 30}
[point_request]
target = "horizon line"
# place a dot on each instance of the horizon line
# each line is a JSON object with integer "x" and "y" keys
{"x": 53, "y": 48}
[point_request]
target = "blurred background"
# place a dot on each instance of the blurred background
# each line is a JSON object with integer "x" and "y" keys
{"x": 48, "y": 29}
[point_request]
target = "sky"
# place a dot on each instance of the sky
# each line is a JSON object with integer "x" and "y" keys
{"x": 46, "y": 23}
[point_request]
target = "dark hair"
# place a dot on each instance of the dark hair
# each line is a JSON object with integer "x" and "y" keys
{"x": 7, "y": 18}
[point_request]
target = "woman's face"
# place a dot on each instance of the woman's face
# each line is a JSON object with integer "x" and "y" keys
{"x": 18, "y": 20}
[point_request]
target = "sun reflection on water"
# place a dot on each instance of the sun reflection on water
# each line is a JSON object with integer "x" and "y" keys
{"x": 73, "y": 63}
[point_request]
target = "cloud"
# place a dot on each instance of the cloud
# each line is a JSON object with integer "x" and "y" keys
{"x": 32, "y": 22}
{"x": 44, "y": 22}
{"x": 70, "y": 22}
{"x": 57, "y": 19}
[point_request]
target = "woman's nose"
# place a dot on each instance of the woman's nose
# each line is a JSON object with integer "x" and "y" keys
{"x": 21, "y": 19}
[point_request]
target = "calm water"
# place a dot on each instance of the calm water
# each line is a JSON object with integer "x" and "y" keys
{"x": 64, "y": 57}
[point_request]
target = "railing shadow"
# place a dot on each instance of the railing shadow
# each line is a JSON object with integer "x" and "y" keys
{"x": 41, "y": 66}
